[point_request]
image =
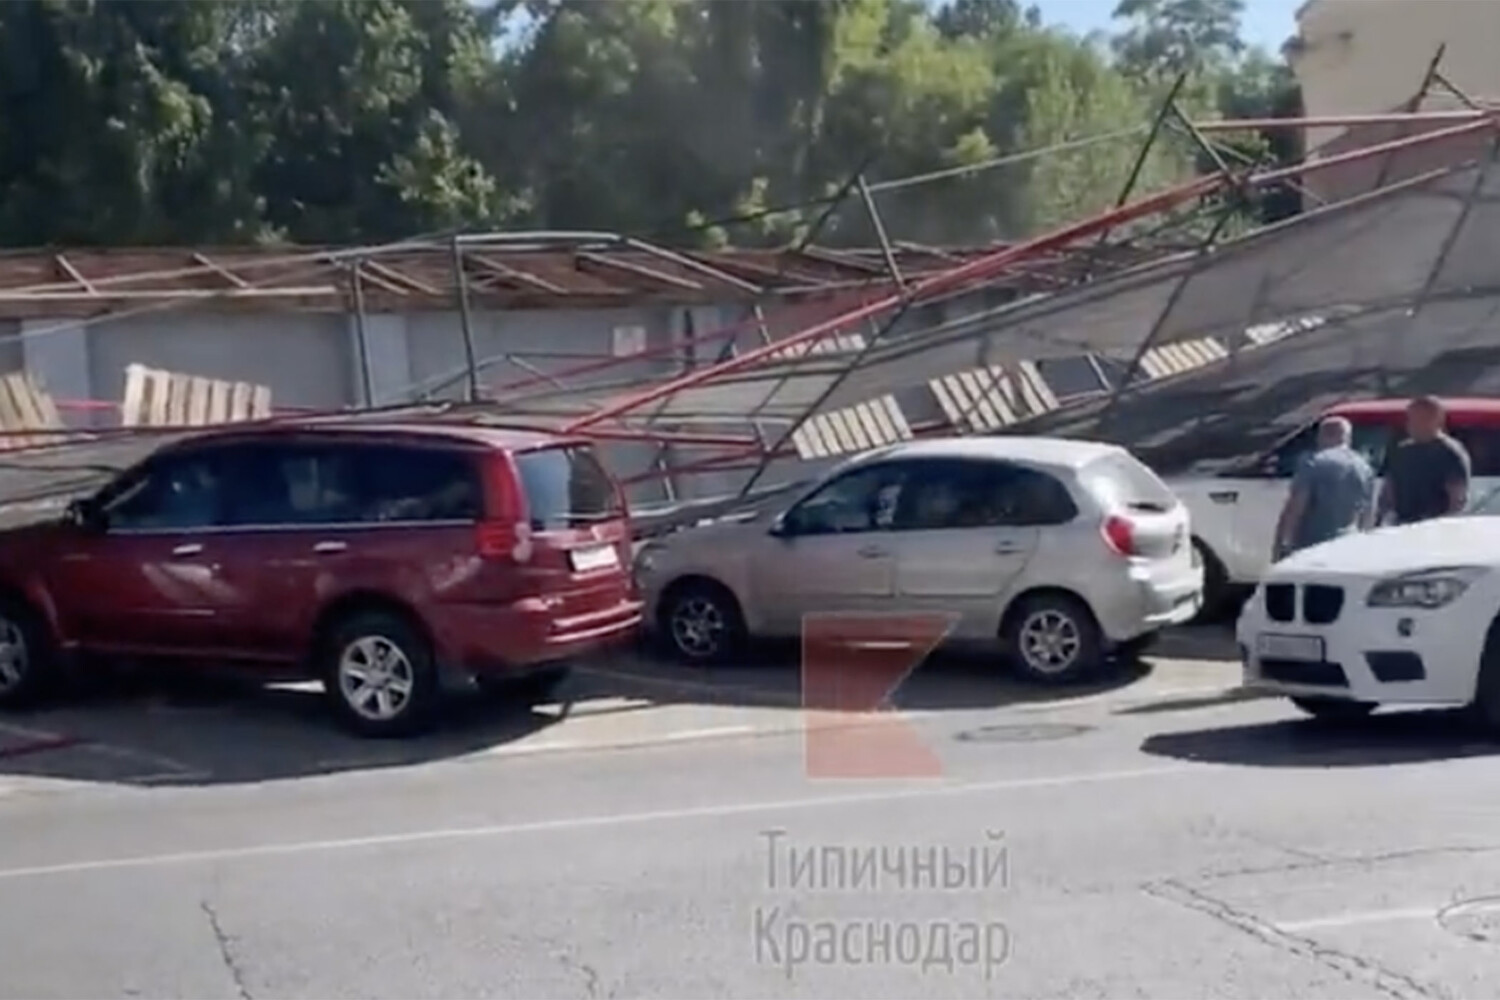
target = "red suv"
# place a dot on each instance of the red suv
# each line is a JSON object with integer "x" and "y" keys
{"x": 382, "y": 559}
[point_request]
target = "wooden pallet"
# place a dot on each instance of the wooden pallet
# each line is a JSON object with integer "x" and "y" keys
{"x": 27, "y": 412}
{"x": 155, "y": 398}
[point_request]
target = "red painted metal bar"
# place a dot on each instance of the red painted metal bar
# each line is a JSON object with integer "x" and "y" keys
{"x": 1354, "y": 155}
{"x": 975, "y": 270}
{"x": 682, "y": 438}
{"x": 1339, "y": 121}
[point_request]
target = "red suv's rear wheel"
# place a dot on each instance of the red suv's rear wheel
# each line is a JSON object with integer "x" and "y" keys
{"x": 27, "y": 664}
{"x": 379, "y": 675}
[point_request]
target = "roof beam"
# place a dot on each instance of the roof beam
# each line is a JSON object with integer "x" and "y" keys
{"x": 841, "y": 260}
{"x": 694, "y": 264}
{"x": 508, "y": 273}
{"x": 391, "y": 274}
{"x": 67, "y": 268}
{"x": 221, "y": 271}
{"x": 639, "y": 270}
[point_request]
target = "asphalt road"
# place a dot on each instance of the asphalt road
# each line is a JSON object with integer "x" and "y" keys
{"x": 1135, "y": 841}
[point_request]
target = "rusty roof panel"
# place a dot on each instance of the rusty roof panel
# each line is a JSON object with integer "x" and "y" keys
{"x": 501, "y": 273}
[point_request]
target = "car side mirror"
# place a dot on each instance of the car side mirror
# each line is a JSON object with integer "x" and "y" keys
{"x": 786, "y": 524}
{"x": 86, "y": 515}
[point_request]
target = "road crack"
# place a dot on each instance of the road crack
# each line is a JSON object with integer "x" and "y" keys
{"x": 1354, "y": 968}
{"x": 226, "y": 951}
{"x": 1305, "y": 860}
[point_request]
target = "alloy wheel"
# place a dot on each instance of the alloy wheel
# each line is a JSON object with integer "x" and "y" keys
{"x": 375, "y": 678}
{"x": 1050, "y": 641}
{"x": 15, "y": 658}
{"x": 698, "y": 626}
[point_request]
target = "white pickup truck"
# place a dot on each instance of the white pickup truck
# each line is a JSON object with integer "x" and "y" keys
{"x": 1234, "y": 509}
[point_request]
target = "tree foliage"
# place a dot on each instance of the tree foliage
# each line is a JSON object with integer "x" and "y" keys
{"x": 336, "y": 121}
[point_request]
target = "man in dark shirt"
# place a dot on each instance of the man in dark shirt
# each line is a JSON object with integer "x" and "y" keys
{"x": 1427, "y": 475}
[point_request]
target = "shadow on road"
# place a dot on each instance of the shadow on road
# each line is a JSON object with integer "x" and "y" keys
{"x": 201, "y": 730}
{"x": 1404, "y": 737}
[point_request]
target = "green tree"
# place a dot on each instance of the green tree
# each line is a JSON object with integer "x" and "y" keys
{"x": 1168, "y": 37}
{"x": 119, "y": 123}
{"x": 361, "y": 98}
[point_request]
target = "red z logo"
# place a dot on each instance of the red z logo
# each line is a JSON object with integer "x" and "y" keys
{"x": 852, "y": 666}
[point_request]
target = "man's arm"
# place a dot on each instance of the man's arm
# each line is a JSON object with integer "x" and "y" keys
{"x": 1384, "y": 500}
{"x": 1368, "y": 517}
{"x": 1458, "y": 478}
{"x": 1291, "y": 512}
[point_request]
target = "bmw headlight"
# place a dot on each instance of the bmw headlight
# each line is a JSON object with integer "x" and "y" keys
{"x": 1428, "y": 588}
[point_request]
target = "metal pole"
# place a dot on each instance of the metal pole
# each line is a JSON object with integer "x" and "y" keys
{"x": 360, "y": 336}
{"x": 1166, "y": 313}
{"x": 1201, "y": 141}
{"x": 769, "y": 455}
{"x": 461, "y": 280}
{"x": 1413, "y": 105}
{"x": 1456, "y": 91}
{"x": 1168, "y": 105}
{"x": 875, "y": 221}
{"x": 1481, "y": 174}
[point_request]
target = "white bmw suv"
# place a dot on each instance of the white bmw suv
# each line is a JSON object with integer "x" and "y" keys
{"x": 1062, "y": 551}
{"x": 1404, "y": 615}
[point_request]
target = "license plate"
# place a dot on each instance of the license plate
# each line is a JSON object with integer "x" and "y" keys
{"x": 1303, "y": 648}
{"x": 598, "y": 557}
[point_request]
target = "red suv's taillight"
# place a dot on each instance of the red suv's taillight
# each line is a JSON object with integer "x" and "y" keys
{"x": 505, "y": 532}
{"x": 1119, "y": 534}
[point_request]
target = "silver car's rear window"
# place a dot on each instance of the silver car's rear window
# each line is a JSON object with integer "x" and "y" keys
{"x": 1120, "y": 482}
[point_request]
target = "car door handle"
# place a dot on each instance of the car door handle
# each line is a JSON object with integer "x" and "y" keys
{"x": 325, "y": 547}
{"x": 1225, "y": 496}
{"x": 872, "y": 552}
{"x": 187, "y": 550}
{"x": 1007, "y": 548}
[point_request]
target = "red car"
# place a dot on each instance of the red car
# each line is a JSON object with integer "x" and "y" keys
{"x": 384, "y": 560}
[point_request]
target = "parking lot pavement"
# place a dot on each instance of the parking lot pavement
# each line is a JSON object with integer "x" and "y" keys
{"x": 205, "y": 733}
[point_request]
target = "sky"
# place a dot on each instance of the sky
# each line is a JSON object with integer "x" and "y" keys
{"x": 1266, "y": 23}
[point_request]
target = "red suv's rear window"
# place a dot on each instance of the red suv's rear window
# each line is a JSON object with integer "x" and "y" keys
{"x": 566, "y": 487}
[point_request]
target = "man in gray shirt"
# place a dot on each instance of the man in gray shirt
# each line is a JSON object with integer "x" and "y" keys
{"x": 1332, "y": 493}
{"x": 1427, "y": 475}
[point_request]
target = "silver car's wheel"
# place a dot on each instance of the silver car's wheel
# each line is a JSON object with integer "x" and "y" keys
{"x": 1052, "y": 638}
{"x": 702, "y": 621}
{"x": 1050, "y": 641}
{"x": 375, "y": 678}
{"x": 15, "y": 657}
{"x": 698, "y": 627}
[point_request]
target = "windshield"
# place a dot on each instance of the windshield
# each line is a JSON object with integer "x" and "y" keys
{"x": 566, "y": 487}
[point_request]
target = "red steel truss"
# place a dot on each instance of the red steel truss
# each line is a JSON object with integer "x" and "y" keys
{"x": 633, "y": 407}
